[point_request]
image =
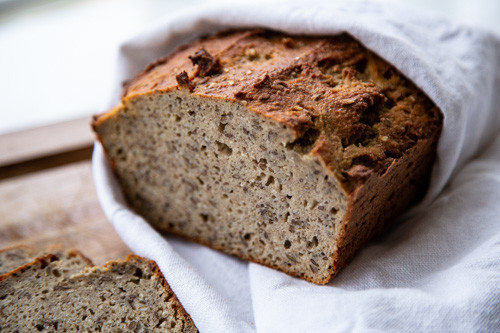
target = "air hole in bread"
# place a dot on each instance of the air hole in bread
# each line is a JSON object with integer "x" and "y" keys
{"x": 223, "y": 148}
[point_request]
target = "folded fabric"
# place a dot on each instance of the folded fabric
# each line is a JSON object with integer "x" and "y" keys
{"x": 439, "y": 270}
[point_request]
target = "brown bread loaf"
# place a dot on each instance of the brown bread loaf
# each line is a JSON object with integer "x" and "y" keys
{"x": 290, "y": 151}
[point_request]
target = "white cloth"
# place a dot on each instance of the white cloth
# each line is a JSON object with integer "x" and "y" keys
{"x": 438, "y": 271}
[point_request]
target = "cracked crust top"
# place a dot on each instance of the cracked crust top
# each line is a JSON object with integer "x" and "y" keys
{"x": 350, "y": 108}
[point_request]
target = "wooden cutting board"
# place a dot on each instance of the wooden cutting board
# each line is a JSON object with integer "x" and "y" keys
{"x": 47, "y": 194}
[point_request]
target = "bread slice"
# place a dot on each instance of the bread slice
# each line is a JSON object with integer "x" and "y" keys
{"x": 13, "y": 257}
{"x": 16, "y": 256}
{"x": 123, "y": 296}
{"x": 288, "y": 151}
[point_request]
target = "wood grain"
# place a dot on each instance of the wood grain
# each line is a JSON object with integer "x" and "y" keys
{"x": 60, "y": 206}
{"x": 45, "y": 162}
{"x": 45, "y": 147}
{"x": 44, "y": 141}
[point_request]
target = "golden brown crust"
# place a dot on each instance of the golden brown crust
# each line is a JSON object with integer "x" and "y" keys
{"x": 354, "y": 107}
{"x": 375, "y": 205}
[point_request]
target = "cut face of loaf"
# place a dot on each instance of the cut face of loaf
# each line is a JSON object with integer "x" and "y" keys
{"x": 287, "y": 151}
{"x": 123, "y": 296}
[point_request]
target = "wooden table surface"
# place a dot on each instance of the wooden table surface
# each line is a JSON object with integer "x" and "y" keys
{"x": 47, "y": 194}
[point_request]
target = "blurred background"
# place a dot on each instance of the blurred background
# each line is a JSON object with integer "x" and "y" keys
{"x": 57, "y": 57}
{"x": 57, "y": 69}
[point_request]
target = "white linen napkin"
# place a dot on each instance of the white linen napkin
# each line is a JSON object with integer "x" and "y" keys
{"x": 438, "y": 271}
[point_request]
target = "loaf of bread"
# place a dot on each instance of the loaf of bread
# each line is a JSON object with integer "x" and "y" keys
{"x": 289, "y": 151}
{"x": 54, "y": 295}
